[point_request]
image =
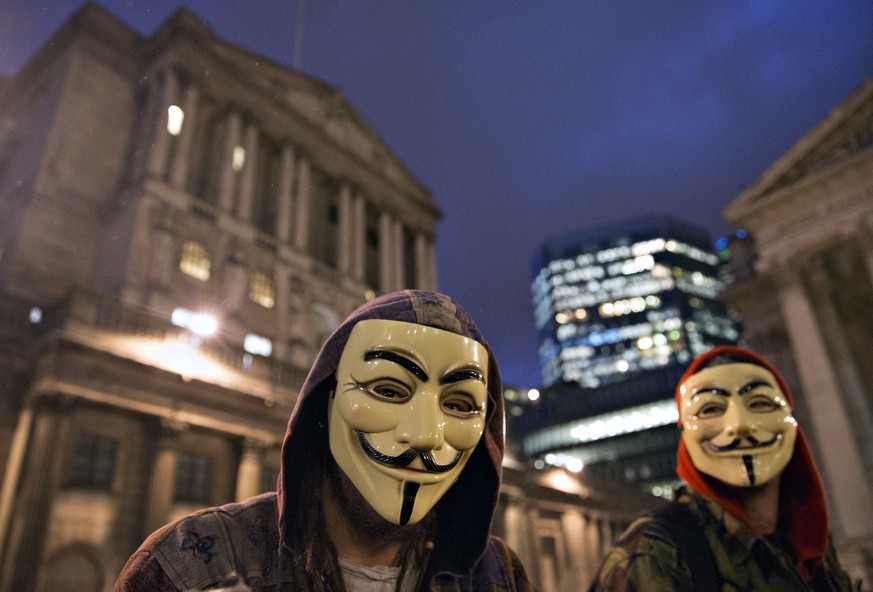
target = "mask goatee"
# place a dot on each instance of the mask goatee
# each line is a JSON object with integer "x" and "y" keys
{"x": 367, "y": 524}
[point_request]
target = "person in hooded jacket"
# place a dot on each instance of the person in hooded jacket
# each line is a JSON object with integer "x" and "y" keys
{"x": 391, "y": 467}
{"x": 754, "y": 503}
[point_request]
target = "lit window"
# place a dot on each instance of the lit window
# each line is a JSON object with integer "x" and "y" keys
{"x": 258, "y": 345}
{"x": 93, "y": 462}
{"x": 262, "y": 290}
{"x": 239, "y": 158}
{"x": 192, "y": 478}
{"x": 195, "y": 261}
{"x": 175, "y": 119}
{"x": 198, "y": 322}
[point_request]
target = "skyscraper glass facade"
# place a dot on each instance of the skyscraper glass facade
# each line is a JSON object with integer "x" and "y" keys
{"x": 621, "y": 299}
{"x": 620, "y": 311}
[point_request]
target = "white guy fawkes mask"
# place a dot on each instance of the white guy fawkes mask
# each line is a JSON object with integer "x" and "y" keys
{"x": 408, "y": 410}
{"x": 737, "y": 423}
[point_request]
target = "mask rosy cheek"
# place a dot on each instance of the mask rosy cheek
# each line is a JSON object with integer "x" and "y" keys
{"x": 367, "y": 417}
{"x": 465, "y": 434}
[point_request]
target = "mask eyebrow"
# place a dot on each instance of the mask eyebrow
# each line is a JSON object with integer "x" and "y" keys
{"x": 381, "y": 354}
{"x": 753, "y": 385}
{"x": 463, "y": 374}
{"x": 711, "y": 389}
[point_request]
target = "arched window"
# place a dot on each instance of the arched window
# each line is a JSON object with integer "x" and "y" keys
{"x": 74, "y": 569}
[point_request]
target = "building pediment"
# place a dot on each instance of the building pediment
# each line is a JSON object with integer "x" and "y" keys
{"x": 260, "y": 84}
{"x": 845, "y": 132}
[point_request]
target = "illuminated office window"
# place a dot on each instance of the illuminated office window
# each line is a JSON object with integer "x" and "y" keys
{"x": 262, "y": 290}
{"x": 195, "y": 261}
{"x": 175, "y": 119}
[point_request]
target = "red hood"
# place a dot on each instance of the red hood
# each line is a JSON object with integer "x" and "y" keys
{"x": 803, "y": 506}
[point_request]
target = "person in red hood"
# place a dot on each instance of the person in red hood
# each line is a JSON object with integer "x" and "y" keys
{"x": 391, "y": 467}
{"x": 753, "y": 515}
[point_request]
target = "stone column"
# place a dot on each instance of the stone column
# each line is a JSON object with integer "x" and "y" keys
{"x": 283, "y": 299}
{"x": 236, "y": 281}
{"x": 433, "y": 282}
{"x": 422, "y": 267}
{"x": 849, "y": 488}
{"x": 399, "y": 256}
{"x": 866, "y": 244}
{"x": 345, "y": 236}
{"x": 227, "y": 176}
{"x": 514, "y": 526}
{"x": 573, "y": 528}
{"x": 14, "y": 472}
{"x": 286, "y": 182}
{"x": 147, "y": 126}
{"x": 247, "y": 174}
{"x": 249, "y": 473}
{"x": 843, "y": 362}
{"x": 160, "y": 136}
{"x": 163, "y": 479}
{"x": 182, "y": 155}
{"x": 46, "y": 462}
{"x": 359, "y": 231}
{"x": 386, "y": 252}
{"x": 593, "y": 541}
{"x": 301, "y": 228}
{"x": 161, "y": 264}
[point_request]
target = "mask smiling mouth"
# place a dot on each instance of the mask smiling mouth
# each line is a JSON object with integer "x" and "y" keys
{"x": 741, "y": 443}
{"x": 403, "y": 460}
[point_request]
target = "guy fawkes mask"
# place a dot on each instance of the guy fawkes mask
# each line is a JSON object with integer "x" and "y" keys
{"x": 737, "y": 423}
{"x": 408, "y": 411}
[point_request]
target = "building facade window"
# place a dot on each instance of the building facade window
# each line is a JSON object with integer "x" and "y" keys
{"x": 195, "y": 261}
{"x": 238, "y": 160}
{"x": 193, "y": 473}
{"x": 262, "y": 289}
{"x": 175, "y": 119}
{"x": 93, "y": 463}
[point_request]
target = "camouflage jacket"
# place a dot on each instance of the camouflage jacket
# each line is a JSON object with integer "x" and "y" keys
{"x": 645, "y": 558}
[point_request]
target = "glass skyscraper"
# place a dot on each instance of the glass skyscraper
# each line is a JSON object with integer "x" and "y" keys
{"x": 616, "y": 300}
{"x": 620, "y": 310}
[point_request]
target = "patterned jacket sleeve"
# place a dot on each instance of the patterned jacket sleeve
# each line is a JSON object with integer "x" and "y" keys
{"x": 143, "y": 573}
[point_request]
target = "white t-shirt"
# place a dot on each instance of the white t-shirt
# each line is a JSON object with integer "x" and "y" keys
{"x": 361, "y": 578}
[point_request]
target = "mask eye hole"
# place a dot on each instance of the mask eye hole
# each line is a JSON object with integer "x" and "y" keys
{"x": 762, "y": 404}
{"x": 710, "y": 410}
{"x": 389, "y": 390}
{"x": 459, "y": 404}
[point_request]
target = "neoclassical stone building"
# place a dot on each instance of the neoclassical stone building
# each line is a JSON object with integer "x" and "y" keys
{"x": 804, "y": 288}
{"x": 181, "y": 224}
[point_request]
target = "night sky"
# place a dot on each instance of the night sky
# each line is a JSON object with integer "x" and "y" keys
{"x": 530, "y": 119}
